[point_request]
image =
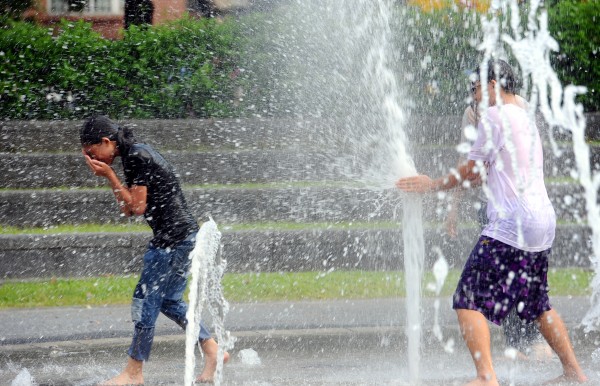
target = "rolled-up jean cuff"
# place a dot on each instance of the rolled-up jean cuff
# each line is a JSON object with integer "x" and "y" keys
{"x": 141, "y": 344}
{"x": 136, "y": 309}
{"x": 204, "y": 334}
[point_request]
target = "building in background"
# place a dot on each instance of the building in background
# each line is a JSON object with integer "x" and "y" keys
{"x": 108, "y": 17}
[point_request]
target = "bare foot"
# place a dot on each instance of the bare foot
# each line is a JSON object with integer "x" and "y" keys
{"x": 572, "y": 379}
{"x": 124, "y": 379}
{"x": 483, "y": 381}
{"x": 210, "y": 367}
{"x": 131, "y": 375}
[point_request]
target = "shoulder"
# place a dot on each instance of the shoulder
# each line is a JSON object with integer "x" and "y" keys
{"x": 140, "y": 151}
{"x": 469, "y": 116}
{"x": 522, "y": 102}
{"x": 492, "y": 113}
{"x": 139, "y": 156}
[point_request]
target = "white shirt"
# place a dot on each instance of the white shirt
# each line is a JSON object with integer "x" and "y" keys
{"x": 519, "y": 211}
{"x": 469, "y": 118}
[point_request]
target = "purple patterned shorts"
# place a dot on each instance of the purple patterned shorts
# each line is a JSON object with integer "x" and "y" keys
{"x": 498, "y": 277}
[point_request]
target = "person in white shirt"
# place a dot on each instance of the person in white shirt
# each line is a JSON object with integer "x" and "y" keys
{"x": 508, "y": 266}
{"x": 524, "y": 337}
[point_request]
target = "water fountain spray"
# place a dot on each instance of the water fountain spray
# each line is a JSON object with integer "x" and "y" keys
{"x": 394, "y": 162}
{"x": 205, "y": 290}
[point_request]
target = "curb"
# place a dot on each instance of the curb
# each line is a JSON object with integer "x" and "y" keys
{"x": 336, "y": 339}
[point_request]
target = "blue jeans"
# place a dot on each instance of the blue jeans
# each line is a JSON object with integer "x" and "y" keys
{"x": 160, "y": 289}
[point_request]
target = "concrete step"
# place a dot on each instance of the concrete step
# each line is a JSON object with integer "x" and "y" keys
{"x": 45, "y": 170}
{"x": 44, "y": 208}
{"x": 317, "y": 249}
{"x": 213, "y": 134}
{"x": 176, "y": 134}
{"x": 246, "y": 133}
{"x": 246, "y": 166}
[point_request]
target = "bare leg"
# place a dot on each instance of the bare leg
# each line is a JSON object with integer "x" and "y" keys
{"x": 554, "y": 331}
{"x": 210, "y": 349}
{"x": 476, "y": 333}
{"x": 131, "y": 375}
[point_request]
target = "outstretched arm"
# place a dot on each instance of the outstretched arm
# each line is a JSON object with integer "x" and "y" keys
{"x": 424, "y": 184}
{"x": 132, "y": 201}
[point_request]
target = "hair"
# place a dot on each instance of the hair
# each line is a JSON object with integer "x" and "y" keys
{"x": 505, "y": 76}
{"x": 99, "y": 126}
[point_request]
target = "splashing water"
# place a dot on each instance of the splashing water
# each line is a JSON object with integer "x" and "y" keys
{"x": 249, "y": 357}
{"x": 24, "y": 378}
{"x": 205, "y": 289}
{"x": 394, "y": 162}
{"x": 440, "y": 272}
{"x": 389, "y": 159}
{"x": 414, "y": 255}
{"x": 349, "y": 79}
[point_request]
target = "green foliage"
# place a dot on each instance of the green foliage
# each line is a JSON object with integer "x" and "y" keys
{"x": 257, "y": 287}
{"x": 436, "y": 57}
{"x": 576, "y": 27}
{"x": 176, "y": 70}
{"x": 441, "y": 48}
{"x": 258, "y": 64}
{"x": 67, "y": 292}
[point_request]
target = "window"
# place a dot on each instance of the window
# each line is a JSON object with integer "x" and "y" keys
{"x": 96, "y": 7}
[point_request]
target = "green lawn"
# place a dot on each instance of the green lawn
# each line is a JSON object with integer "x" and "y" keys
{"x": 82, "y": 228}
{"x": 250, "y": 287}
{"x": 256, "y": 226}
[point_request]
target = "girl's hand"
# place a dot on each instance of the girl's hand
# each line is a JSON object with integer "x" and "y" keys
{"x": 415, "y": 184}
{"x": 99, "y": 168}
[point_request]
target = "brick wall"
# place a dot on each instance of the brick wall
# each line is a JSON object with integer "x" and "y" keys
{"x": 166, "y": 10}
{"x": 110, "y": 26}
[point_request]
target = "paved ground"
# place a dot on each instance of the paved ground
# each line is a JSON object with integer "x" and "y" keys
{"x": 341, "y": 342}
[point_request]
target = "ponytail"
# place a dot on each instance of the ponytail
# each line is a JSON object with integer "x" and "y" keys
{"x": 125, "y": 140}
{"x": 99, "y": 126}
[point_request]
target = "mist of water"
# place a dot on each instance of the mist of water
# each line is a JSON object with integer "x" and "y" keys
{"x": 344, "y": 53}
{"x": 24, "y": 378}
{"x": 388, "y": 158}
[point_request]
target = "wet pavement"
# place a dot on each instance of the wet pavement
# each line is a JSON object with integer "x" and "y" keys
{"x": 342, "y": 342}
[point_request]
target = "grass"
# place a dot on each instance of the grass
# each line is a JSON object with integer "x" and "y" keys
{"x": 83, "y": 228}
{"x": 256, "y": 287}
{"x": 259, "y": 226}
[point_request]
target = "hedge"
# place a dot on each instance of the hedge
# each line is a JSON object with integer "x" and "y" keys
{"x": 176, "y": 70}
{"x": 256, "y": 64}
{"x": 576, "y": 27}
